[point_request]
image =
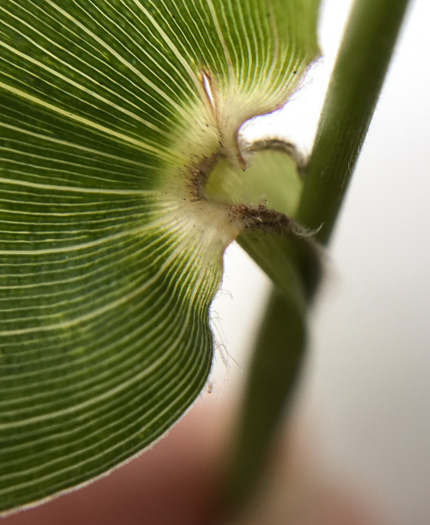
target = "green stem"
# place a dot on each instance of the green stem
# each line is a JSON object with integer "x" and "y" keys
{"x": 271, "y": 379}
{"x": 353, "y": 92}
{"x": 351, "y": 98}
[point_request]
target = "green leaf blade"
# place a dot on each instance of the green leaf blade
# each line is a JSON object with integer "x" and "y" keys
{"x": 109, "y": 253}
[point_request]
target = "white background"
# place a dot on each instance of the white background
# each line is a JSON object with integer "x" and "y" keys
{"x": 367, "y": 379}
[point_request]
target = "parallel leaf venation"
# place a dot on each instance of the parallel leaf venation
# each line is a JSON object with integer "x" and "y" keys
{"x": 109, "y": 256}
